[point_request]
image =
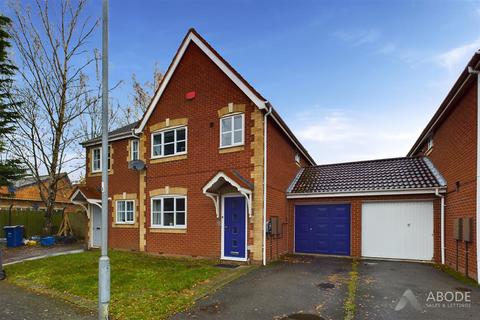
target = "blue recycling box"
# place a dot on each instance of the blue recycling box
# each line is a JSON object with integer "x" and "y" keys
{"x": 14, "y": 235}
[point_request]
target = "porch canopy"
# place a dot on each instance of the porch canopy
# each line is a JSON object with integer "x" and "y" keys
{"x": 226, "y": 182}
{"x": 83, "y": 195}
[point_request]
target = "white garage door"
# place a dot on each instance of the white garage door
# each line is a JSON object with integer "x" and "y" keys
{"x": 400, "y": 230}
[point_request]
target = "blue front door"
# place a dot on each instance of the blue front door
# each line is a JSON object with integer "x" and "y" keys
{"x": 322, "y": 229}
{"x": 234, "y": 227}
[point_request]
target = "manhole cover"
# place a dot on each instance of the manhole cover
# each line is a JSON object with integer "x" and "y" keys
{"x": 463, "y": 289}
{"x": 326, "y": 285}
{"x": 303, "y": 316}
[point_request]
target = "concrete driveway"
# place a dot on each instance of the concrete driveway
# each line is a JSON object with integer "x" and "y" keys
{"x": 383, "y": 283}
{"x": 313, "y": 286}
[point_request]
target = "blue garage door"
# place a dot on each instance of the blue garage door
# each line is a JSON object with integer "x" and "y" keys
{"x": 322, "y": 229}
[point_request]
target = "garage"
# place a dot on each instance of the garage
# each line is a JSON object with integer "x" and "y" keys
{"x": 398, "y": 230}
{"x": 385, "y": 209}
{"x": 322, "y": 229}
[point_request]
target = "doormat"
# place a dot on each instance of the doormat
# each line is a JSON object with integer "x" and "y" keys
{"x": 226, "y": 266}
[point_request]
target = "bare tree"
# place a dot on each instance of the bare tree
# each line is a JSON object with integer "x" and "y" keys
{"x": 54, "y": 62}
{"x": 90, "y": 122}
{"x": 141, "y": 97}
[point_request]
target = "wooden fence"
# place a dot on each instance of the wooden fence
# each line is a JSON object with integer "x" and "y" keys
{"x": 33, "y": 221}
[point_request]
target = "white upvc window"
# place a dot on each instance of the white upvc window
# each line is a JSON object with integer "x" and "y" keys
{"x": 134, "y": 149}
{"x": 125, "y": 211}
{"x": 169, "y": 212}
{"x": 96, "y": 159}
{"x": 169, "y": 142}
{"x": 430, "y": 143}
{"x": 232, "y": 130}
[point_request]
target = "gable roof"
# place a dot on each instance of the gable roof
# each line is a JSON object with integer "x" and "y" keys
{"x": 464, "y": 80}
{"x": 231, "y": 73}
{"x": 120, "y": 133}
{"x": 385, "y": 175}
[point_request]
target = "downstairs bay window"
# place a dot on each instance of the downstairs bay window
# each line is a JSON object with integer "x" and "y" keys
{"x": 169, "y": 212}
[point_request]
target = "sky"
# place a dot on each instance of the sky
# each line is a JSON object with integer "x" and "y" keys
{"x": 354, "y": 80}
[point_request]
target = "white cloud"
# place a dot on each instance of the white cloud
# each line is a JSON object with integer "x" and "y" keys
{"x": 455, "y": 58}
{"x": 359, "y": 37}
{"x": 334, "y": 136}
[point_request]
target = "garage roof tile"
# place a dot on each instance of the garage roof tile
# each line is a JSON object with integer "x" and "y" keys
{"x": 372, "y": 175}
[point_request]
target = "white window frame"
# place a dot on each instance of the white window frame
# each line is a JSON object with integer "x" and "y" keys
{"x": 116, "y": 212}
{"x": 100, "y": 159}
{"x": 298, "y": 158}
{"x": 162, "y": 145}
{"x": 162, "y": 198}
{"x": 133, "y": 151}
{"x": 233, "y": 144}
{"x": 430, "y": 143}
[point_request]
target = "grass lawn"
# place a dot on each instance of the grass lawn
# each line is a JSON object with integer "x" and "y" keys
{"x": 143, "y": 287}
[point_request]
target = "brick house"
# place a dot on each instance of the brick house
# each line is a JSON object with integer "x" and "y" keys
{"x": 224, "y": 177}
{"x": 24, "y": 194}
{"x": 451, "y": 141}
{"x": 204, "y": 140}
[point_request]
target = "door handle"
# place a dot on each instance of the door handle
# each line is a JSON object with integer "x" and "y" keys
{"x": 98, "y": 228}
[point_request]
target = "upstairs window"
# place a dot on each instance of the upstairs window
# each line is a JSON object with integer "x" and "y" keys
{"x": 134, "y": 150}
{"x": 96, "y": 159}
{"x": 231, "y": 130}
{"x": 430, "y": 143}
{"x": 169, "y": 142}
{"x": 297, "y": 158}
{"x": 125, "y": 211}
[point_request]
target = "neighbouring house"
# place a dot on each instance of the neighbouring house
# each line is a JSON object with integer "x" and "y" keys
{"x": 212, "y": 170}
{"x": 24, "y": 194}
{"x": 451, "y": 142}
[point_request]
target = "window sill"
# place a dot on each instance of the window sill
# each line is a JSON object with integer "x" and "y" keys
{"x": 182, "y": 156}
{"x": 229, "y": 149}
{"x": 124, "y": 225}
{"x": 167, "y": 230}
{"x": 99, "y": 173}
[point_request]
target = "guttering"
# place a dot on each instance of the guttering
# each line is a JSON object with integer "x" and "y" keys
{"x": 264, "y": 237}
{"x": 442, "y": 223}
{"x": 118, "y": 136}
{"x": 366, "y": 193}
{"x": 477, "y": 72}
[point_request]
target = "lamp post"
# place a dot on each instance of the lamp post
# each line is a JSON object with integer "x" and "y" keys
{"x": 104, "y": 261}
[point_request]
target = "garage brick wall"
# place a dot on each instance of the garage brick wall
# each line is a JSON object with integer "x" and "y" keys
{"x": 356, "y": 217}
{"x": 281, "y": 170}
{"x": 454, "y": 154}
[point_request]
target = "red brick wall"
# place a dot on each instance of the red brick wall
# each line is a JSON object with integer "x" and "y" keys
{"x": 454, "y": 154}
{"x": 281, "y": 170}
{"x": 122, "y": 180}
{"x": 214, "y": 91}
{"x": 356, "y": 218}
